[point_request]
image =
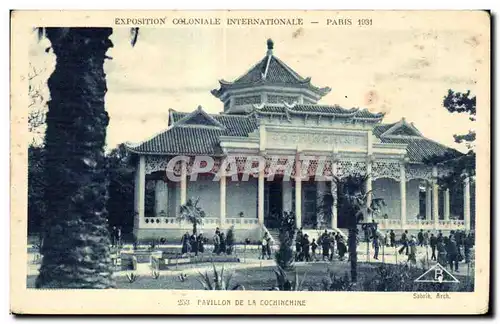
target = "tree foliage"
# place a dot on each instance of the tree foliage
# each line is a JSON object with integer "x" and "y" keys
{"x": 355, "y": 205}
{"x": 286, "y": 235}
{"x": 121, "y": 177}
{"x": 462, "y": 102}
{"x": 192, "y": 213}
{"x": 465, "y": 164}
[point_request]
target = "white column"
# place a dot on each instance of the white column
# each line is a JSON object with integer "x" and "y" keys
{"x": 467, "y": 204}
{"x": 428, "y": 201}
{"x": 298, "y": 192}
{"x": 183, "y": 182}
{"x": 161, "y": 197}
{"x": 334, "y": 204}
{"x": 435, "y": 203}
{"x": 260, "y": 203}
{"x": 446, "y": 206}
{"x": 369, "y": 186}
{"x": 402, "y": 193}
{"x": 287, "y": 194}
{"x": 222, "y": 183}
{"x": 140, "y": 187}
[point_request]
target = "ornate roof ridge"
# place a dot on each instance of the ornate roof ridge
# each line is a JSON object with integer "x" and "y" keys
{"x": 398, "y": 125}
{"x": 215, "y": 115}
{"x": 183, "y": 121}
{"x": 261, "y": 73}
{"x": 346, "y": 112}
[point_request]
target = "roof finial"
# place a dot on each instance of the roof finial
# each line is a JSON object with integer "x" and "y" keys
{"x": 270, "y": 46}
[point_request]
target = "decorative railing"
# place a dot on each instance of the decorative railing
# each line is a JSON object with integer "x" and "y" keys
{"x": 171, "y": 222}
{"x": 420, "y": 224}
{"x": 244, "y": 222}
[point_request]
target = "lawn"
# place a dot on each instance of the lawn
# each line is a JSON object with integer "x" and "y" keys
{"x": 252, "y": 276}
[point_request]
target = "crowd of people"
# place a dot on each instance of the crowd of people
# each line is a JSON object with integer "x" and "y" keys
{"x": 306, "y": 250}
{"x": 192, "y": 243}
{"x": 448, "y": 250}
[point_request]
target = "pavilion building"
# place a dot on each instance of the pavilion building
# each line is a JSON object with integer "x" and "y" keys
{"x": 273, "y": 112}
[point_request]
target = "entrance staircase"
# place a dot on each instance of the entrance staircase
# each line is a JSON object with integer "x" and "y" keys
{"x": 274, "y": 233}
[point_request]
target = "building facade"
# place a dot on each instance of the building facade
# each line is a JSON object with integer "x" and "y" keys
{"x": 274, "y": 148}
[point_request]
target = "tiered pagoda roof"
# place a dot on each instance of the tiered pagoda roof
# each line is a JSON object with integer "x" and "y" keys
{"x": 270, "y": 71}
{"x": 199, "y": 133}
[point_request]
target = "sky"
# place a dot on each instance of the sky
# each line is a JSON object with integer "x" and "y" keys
{"x": 404, "y": 71}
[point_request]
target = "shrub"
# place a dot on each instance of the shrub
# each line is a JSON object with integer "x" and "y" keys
{"x": 132, "y": 277}
{"x": 334, "y": 283}
{"x": 219, "y": 281}
{"x": 402, "y": 278}
{"x": 284, "y": 284}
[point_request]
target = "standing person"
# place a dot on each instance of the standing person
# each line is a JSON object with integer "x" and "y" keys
{"x": 459, "y": 239}
{"x": 387, "y": 238}
{"x": 468, "y": 243}
{"x": 113, "y": 236}
{"x": 376, "y": 246}
{"x": 268, "y": 247}
{"x": 194, "y": 244}
{"x": 222, "y": 243}
{"x": 433, "y": 244}
{"x": 421, "y": 237}
{"x": 305, "y": 248}
{"x": 341, "y": 247}
{"x": 331, "y": 239}
{"x": 119, "y": 236}
{"x": 314, "y": 246}
{"x": 392, "y": 238}
{"x": 185, "y": 243}
{"x": 325, "y": 245}
{"x": 263, "y": 245}
{"x": 404, "y": 242}
{"x": 427, "y": 237}
{"x": 217, "y": 231}
{"x": 216, "y": 239}
{"x": 200, "y": 240}
{"x": 440, "y": 237}
{"x": 412, "y": 256}
{"x": 441, "y": 248}
{"x": 452, "y": 253}
{"x": 298, "y": 246}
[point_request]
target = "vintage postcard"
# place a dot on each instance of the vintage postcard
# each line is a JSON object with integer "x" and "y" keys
{"x": 250, "y": 162}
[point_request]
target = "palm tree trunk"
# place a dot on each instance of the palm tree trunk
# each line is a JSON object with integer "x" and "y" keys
{"x": 353, "y": 254}
{"x": 76, "y": 238}
{"x": 194, "y": 228}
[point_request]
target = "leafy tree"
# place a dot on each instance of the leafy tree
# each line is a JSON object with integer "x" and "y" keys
{"x": 461, "y": 165}
{"x": 121, "y": 175}
{"x": 76, "y": 242}
{"x": 354, "y": 204}
{"x": 192, "y": 213}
